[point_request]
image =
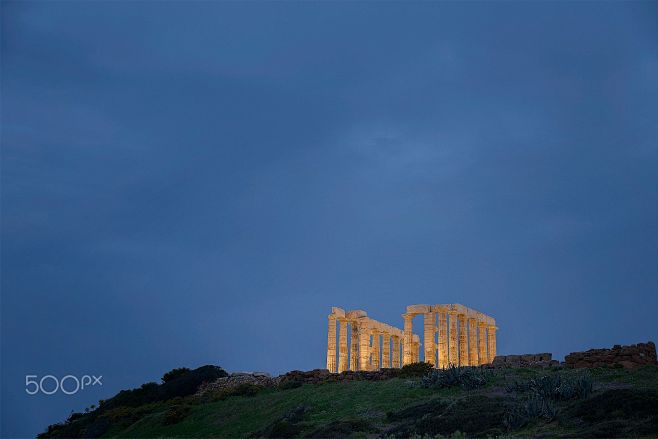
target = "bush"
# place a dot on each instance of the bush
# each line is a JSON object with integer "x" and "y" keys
{"x": 464, "y": 377}
{"x": 532, "y": 409}
{"x": 246, "y": 389}
{"x": 415, "y": 370}
{"x": 175, "y": 415}
{"x": 556, "y": 387}
{"x": 174, "y": 373}
{"x": 74, "y": 416}
{"x": 188, "y": 383}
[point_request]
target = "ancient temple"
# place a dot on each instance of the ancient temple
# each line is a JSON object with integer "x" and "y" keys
{"x": 452, "y": 335}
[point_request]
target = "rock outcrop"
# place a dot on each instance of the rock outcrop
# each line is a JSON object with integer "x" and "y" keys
{"x": 525, "y": 360}
{"x": 323, "y": 375}
{"x": 314, "y": 376}
{"x": 635, "y": 355}
{"x": 234, "y": 380}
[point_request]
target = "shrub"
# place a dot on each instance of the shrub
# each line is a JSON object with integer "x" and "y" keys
{"x": 464, "y": 377}
{"x": 130, "y": 405}
{"x": 174, "y": 373}
{"x": 182, "y": 385}
{"x": 532, "y": 409}
{"x": 74, "y": 416}
{"x": 246, "y": 389}
{"x": 175, "y": 415}
{"x": 415, "y": 370}
{"x": 555, "y": 387}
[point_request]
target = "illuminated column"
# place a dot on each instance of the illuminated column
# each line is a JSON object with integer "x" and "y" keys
{"x": 364, "y": 347}
{"x": 443, "y": 340}
{"x": 407, "y": 354}
{"x": 396, "y": 352}
{"x": 430, "y": 329}
{"x": 354, "y": 354}
{"x": 472, "y": 342}
{"x": 416, "y": 351}
{"x": 331, "y": 345}
{"x": 463, "y": 342}
{"x": 375, "y": 350}
{"x": 386, "y": 350}
{"x": 492, "y": 343}
{"x": 452, "y": 339}
{"x": 342, "y": 345}
{"x": 482, "y": 329}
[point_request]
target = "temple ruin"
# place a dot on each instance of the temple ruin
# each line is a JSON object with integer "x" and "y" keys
{"x": 452, "y": 335}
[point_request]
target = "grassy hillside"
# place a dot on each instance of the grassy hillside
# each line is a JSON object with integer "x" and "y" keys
{"x": 623, "y": 403}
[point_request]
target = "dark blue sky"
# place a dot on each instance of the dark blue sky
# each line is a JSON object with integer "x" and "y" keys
{"x": 194, "y": 183}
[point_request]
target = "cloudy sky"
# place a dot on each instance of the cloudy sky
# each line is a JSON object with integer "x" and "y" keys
{"x": 198, "y": 183}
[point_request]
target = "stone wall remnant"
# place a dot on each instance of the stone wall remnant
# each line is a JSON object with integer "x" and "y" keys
{"x": 631, "y": 356}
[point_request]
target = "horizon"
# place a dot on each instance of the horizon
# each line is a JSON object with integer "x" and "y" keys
{"x": 199, "y": 183}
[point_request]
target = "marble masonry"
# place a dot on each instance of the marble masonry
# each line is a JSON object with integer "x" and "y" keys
{"x": 452, "y": 335}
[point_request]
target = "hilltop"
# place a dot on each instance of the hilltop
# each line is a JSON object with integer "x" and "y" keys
{"x": 459, "y": 402}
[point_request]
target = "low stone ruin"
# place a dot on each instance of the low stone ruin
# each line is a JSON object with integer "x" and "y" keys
{"x": 262, "y": 379}
{"x": 526, "y": 360}
{"x": 323, "y": 375}
{"x": 635, "y": 355}
{"x": 315, "y": 376}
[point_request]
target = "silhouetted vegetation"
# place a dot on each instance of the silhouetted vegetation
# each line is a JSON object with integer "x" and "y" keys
{"x": 130, "y": 405}
{"x": 174, "y": 373}
{"x": 415, "y": 370}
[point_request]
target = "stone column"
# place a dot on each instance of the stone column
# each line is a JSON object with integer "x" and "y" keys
{"x": 492, "y": 343}
{"x": 430, "y": 331}
{"x": 416, "y": 352}
{"x": 386, "y": 350}
{"x": 354, "y": 354}
{"x": 342, "y": 345}
{"x": 443, "y": 340}
{"x": 396, "y": 352}
{"x": 364, "y": 347}
{"x": 482, "y": 329}
{"x": 407, "y": 354}
{"x": 472, "y": 342}
{"x": 452, "y": 340}
{"x": 463, "y": 342}
{"x": 331, "y": 345}
{"x": 375, "y": 350}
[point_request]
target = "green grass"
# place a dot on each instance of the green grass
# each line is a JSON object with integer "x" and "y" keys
{"x": 240, "y": 416}
{"x": 402, "y": 407}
